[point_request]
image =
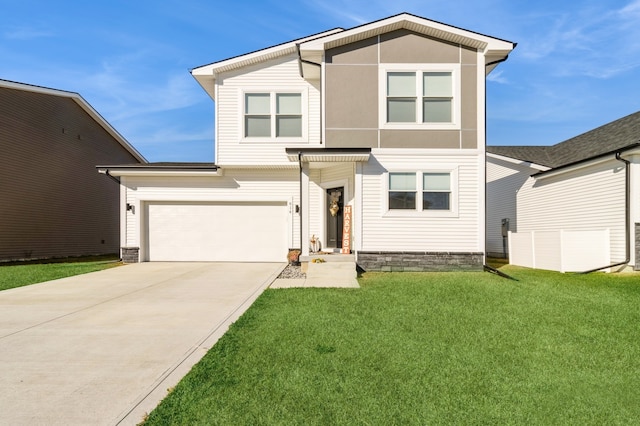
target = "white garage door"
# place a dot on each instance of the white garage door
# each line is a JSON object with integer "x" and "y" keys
{"x": 220, "y": 232}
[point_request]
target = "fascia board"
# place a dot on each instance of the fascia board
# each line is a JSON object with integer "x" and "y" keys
{"x": 256, "y": 57}
{"x": 587, "y": 163}
{"x": 406, "y": 21}
{"x": 518, "y": 162}
{"x": 155, "y": 173}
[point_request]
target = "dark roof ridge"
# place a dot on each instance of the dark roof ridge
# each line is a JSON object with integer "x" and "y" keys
{"x": 610, "y": 137}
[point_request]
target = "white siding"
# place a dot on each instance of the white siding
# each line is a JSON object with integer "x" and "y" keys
{"x": 422, "y": 231}
{"x": 280, "y": 74}
{"x": 235, "y": 185}
{"x": 504, "y": 179}
{"x": 591, "y": 198}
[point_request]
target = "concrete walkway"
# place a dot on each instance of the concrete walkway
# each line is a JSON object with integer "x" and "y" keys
{"x": 103, "y": 348}
{"x": 332, "y": 271}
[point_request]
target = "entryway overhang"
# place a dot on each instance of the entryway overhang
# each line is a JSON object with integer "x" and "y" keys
{"x": 328, "y": 155}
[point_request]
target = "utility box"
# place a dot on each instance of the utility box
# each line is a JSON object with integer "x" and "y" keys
{"x": 505, "y": 227}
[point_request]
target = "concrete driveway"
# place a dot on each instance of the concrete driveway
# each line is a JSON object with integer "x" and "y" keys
{"x": 103, "y": 348}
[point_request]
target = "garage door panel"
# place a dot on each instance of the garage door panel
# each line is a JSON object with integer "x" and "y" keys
{"x": 229, "y": 232}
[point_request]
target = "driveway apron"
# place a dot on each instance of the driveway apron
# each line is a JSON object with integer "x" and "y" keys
{"x": 103, "y": 348}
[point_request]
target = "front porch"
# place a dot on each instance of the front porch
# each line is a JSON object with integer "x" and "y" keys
{"x": 327, "y": 190}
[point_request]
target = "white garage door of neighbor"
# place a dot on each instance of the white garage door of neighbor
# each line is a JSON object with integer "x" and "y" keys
{"x": 216, "y": 232}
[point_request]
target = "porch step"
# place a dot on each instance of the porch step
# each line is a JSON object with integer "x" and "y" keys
{"x": 332, "y": 270}
{"x": 330, "y": 257}
{"x": 332, "y": 274}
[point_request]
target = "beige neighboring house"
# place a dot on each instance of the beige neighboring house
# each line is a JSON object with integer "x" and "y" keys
{"x": 369, "y": 140}
{"x": 54, "y": 204}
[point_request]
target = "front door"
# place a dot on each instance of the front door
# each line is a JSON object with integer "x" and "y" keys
{"x": 334, "y": 208}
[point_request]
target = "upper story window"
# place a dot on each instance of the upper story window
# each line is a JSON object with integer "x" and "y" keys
{"x": 426, "y": 97}
{"x": 270, "y": 115}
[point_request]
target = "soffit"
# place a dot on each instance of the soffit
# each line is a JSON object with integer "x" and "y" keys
{"x": 412, "y": 23}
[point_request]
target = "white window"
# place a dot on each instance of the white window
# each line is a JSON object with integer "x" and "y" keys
{"x": 436, "y": 191}
{"x": 432, "y": 191}
{"x": 273, "y": 115}
{"x": 401, "y": 97}
{"x": 425, "y": 97}
{"x": 402, "y": 191}
{"x": 437, "y": 97}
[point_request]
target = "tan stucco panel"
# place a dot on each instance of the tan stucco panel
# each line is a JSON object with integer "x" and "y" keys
{"x": 360, "y": 52}
{"x": 469, "y": 93}
{"x": 351, "y": 96}
{"x": 469, "y": 139}
{"x": 437, "y": 139}
{"x": 351, "y": 138}
{"x": 403, "y": 46}
{"x": 468, "y": 56}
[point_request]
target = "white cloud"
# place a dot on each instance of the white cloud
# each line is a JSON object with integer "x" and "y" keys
{"x": 497, "y": 77}
{"x": 27, "y": 33}
{"x": 595, "y": 42}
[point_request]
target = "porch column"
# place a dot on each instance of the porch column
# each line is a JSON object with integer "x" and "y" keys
{"x": 304, "y": 207}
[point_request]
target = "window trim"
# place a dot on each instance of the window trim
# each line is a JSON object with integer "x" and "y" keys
{"x": 419, "y": 70}
{"x": 274, "y": 115}
{"x": 419, "y": 211}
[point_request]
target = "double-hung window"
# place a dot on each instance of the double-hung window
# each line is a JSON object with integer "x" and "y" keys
{"x": 436, "y": 191}
{"x": 426, "y": 97}
{"x": 273, "y": 115}
{"x": 402, "y": 191}
{"x": 437, "y": 97}
{"x": 422, "y": 191}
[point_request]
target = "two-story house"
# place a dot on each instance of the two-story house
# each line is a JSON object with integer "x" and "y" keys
{"x": 53, "y": 203}
{"x": 369, "y": 140}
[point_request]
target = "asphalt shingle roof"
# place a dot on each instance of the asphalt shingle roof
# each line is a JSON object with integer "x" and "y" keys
{"x": 610, "y": 137}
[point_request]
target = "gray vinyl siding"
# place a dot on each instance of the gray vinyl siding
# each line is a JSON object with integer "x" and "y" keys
{"x": 54, "y": 202}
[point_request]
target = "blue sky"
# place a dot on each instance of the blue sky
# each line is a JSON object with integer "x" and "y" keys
{"x": 576, "y": 67}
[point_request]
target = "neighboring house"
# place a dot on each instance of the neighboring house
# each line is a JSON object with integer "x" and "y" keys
{"x": 505, "y": 177}
{"x": 385, "y": 121}
{"x": 579, "y": 185}
{"x": 54, "y": 204}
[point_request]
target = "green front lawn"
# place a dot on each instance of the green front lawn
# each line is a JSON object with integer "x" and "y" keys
{"x": 18, "y": 275}
{"x": 452, "y": 348}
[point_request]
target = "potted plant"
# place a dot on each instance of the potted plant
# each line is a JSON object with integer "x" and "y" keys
{"x": 294, "y": 257}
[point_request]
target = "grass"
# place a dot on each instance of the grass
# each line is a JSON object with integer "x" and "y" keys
{"x": 438, "y": 348}
{"x": 26, "y": 273}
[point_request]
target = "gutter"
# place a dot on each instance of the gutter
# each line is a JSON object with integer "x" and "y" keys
{"x": 106, "y": 173}
{"x": 627, "y": 216}
{"x": 304, "y": 61}
{"x": 554, "y": 170}
{"x": 498, "y": 61}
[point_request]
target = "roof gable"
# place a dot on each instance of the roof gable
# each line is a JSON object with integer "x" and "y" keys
{"x": 86, "y": 107}
{"x": 494, "y": 49}
{"x": 311, "y": 48}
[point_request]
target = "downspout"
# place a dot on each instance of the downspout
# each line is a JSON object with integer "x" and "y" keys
{"x": 300, "y": 185}
{"x": 627, "y": 216}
